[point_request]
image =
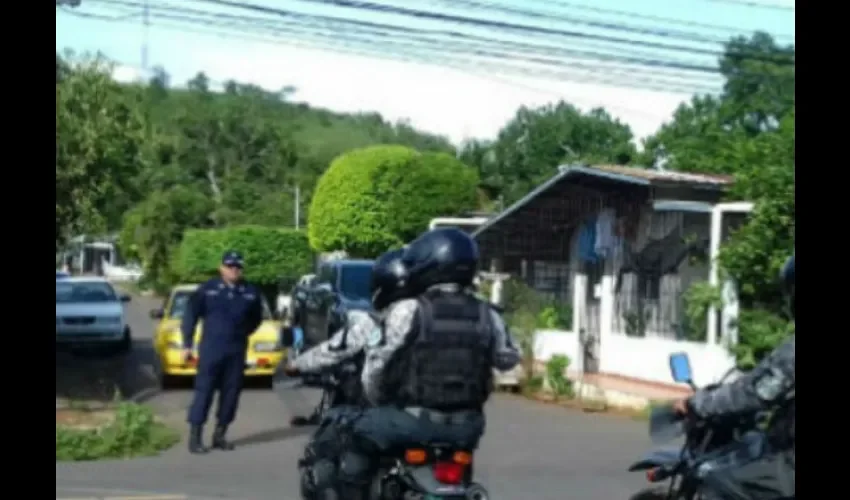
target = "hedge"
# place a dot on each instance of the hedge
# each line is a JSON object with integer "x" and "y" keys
{"x": 269, "y": 253}
{"x": 373, "y": 198}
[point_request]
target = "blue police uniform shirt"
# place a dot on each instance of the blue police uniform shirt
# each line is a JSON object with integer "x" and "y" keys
{"x": 230, "y": 314}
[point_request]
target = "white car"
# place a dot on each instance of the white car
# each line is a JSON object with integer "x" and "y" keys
{"x": 90, "y": 314}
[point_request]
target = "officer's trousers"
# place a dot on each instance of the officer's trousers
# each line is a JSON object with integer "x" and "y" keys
{"x": 223, "y": 373}
{"x": 358, "y": 436}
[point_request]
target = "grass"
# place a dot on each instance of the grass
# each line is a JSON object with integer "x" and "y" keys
{"x": 125, "y": 431}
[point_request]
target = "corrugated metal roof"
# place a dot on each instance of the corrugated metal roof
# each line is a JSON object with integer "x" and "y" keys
{"x": 666, "y": 175}
{"x": 617, "y": 173}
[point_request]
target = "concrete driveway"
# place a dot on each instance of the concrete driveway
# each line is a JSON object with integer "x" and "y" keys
{"x": 531, "y": 451}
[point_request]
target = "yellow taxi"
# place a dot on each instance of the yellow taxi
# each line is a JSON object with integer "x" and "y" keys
{"x": 264, "y": 350}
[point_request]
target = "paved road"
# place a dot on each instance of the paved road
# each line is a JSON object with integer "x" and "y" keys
{"x": 531, "y": 451}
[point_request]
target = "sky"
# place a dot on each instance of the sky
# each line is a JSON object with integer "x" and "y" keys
{"x": 444, "y": 90}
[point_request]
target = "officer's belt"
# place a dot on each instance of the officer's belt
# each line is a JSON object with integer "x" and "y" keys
{"x": 440, "y": 417}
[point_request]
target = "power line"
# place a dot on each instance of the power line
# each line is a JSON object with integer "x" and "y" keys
{"x": 485, "y": 23}
{"x": 97, "y": 17}
{"x": 476, "y": 49}
{"x": 552, "y": 16}
{"x": 485, "y": 43}
{"x": 335, "y": 41}
{"x": 758, "y": 5}
{"x": 647, "y": 17}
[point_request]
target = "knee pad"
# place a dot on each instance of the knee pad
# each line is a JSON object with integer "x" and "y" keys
{"x": 354, "y": 468}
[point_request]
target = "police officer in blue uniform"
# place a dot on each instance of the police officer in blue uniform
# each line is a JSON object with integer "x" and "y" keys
{"x": 231, "y": 310}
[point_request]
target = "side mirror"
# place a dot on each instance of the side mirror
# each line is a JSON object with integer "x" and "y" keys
{"x": 156, "y": 313}
{"x": 680, "y": 368}
{"x": 125, "y": 298}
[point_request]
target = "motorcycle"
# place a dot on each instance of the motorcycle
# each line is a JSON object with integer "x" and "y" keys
{"x": 420, "y": 471}
{"x": 709, "y": 445}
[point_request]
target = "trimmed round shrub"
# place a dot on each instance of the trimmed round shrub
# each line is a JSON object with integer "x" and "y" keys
{"x": 269, "y": 253}
{"x": 375, "y": 198}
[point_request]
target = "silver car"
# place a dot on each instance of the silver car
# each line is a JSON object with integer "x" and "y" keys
{"x": 90, "y": 313}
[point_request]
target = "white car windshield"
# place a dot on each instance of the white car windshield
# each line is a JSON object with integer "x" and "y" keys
{"x": 86, "y": 292}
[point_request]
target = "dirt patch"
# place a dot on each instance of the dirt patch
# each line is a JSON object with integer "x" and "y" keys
{"x": 588, "y": 406}
{"x": 81, "y": 418}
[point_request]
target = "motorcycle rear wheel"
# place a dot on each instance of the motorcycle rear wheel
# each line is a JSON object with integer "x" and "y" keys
{"x": 651, "y": 493}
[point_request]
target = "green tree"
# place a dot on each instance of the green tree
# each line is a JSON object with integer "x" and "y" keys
{"x": 747, "y": 132}
{"x": 98, "y": 149}
{"x": 374, "y": 198}
{"x": 530, "y": 147}
{"x": 153, "y": 229}
{"x": 270, "y": 253}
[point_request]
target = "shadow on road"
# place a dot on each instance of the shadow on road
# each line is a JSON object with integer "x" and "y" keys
{"x": 272, "y": 435}
{"x": 93, "y": 376}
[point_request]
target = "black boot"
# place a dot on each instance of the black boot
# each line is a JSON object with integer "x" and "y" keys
{"x": 196, "y": 440}
{"x": 218, "y": 440}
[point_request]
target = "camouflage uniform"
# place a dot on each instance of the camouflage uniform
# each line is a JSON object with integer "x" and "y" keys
{"x": 327, "y": 444}
{"x": 768, "y": 386}
{"x": 385, "y": 424}
{"x": 343, "y": 345}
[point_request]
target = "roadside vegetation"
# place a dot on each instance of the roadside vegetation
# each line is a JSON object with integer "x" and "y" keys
{"x": 125, "y": 430}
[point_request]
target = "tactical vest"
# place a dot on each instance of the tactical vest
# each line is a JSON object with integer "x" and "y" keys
{"x": 446, "y": 364}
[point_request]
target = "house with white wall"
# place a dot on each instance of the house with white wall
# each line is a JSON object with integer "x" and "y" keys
{"x": 622, "y": 246}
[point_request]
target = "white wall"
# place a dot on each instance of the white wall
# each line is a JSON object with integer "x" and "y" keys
{"x": 647, "y": 358}
{"x": 550, "y": 342}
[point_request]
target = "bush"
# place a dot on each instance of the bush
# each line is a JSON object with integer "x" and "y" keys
{"x": 556, "y": 369}
{"x": 556, "y": 316}
{"x": 699, "y": 298}
{"x": 759, "y": 332}
{"x": 134, "y": 432}
{"x": 374, "y": 198}
{"x": 269, "y": 253}
{"x": 532, "y": 385}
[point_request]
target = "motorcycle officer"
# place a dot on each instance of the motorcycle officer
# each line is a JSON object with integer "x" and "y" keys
{"x": 428, "y": 371}
{"x": 346, "y": 345}
{"x": 768, "y": 386}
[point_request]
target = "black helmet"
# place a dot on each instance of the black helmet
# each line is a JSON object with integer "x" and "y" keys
{"x": 444, "y": 255}
{"x": 787, "y": 277}
{"x": 388, "y": 277}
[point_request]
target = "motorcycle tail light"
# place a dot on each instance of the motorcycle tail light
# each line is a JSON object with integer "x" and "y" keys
{"x": 448, "y": 472}
{"x": 652, "y": 475}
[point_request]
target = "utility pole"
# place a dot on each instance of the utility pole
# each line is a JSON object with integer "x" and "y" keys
{"x": 297, "y": 207}
{"x": 145, "y": 29}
